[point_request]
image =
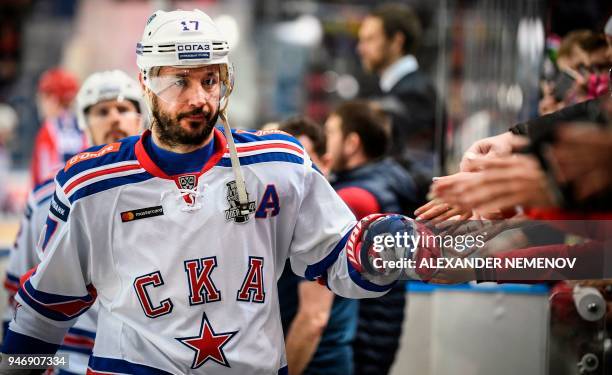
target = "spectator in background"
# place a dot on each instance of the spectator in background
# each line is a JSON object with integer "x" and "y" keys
{"x": 8, "y": 121}
{"x": 571, "y": 55}
{"x": 312, "y": 136}
{"x": 583, "y": 62}
{"x": 597, "y": 72}
{"x": 358, "y": 137}
{"x": 569, "y": 179}
{"x": 59, "y": 136}
{"x": 319, "y": 327}
{"x": 597, "y": 110}
{"x": 388, "y": 39}
{"x": 598, "y": 55}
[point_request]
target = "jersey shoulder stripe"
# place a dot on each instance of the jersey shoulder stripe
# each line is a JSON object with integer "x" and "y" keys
{"x": 265, "y": 146}
{"x": 263, "y": 158}
{"x": 42, "y": 185}
{"x": 38, "y": 196}
{"x": 102, "y": 171}
{"x": 98, "y": 157}
{"x": 108, "y": 181}
{"x": 250, "y": 136}
{"x": 42, "y": 193}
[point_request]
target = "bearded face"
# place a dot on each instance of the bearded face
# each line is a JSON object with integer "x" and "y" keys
{"x": 185, "y": 106}
{"x": 184, "y": 128}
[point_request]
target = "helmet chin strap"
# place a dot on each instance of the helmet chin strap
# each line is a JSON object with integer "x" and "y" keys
{"x": 243, "y": 198}
{"x": 240, "y": 185}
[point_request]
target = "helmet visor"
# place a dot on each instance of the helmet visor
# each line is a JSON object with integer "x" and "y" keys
{"x": 184, "y": 85}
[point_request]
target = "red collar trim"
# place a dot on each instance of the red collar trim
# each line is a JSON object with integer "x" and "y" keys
{"x": 145, "y": 160}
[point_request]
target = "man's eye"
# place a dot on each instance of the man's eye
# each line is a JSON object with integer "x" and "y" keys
{"x": 180, "y": 82}
{"x": 210, "y": 82}
{"x": 103, "y": 112}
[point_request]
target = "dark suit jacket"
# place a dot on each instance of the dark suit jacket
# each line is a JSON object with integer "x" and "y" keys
{"x": 412, "y": 104}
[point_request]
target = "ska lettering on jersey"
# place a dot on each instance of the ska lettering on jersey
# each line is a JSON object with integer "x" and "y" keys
{"x": 201, "y": 287}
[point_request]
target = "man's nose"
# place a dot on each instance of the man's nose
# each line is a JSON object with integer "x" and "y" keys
{"x": 198, "y": 96}
{"x": 114, "y": 116}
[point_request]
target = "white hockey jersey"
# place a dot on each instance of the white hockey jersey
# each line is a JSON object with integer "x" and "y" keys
{"x": 79, "y": 340}
{"x": 185, "y": 283}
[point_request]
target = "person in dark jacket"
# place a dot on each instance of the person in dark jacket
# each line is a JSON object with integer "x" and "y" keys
{"x": 388, "y": 39}
{"x": 358, "y": 137}
{"x": 319, "y": 327}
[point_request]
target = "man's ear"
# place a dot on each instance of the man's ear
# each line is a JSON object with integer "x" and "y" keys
{"x": 146, "y": 91}
{"x": 397, "y": 43}
{"x": 143, "y": 87}
{"x": 352, "y": 143}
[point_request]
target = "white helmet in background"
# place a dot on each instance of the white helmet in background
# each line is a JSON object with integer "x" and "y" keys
{"x": 106, "y": 85}
{"x": 183, "y": 39}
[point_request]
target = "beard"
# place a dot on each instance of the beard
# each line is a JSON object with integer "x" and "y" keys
{"x": 339, "y": 163}
{"x": 377, "y": 64}
{"x": 171, "y": 132}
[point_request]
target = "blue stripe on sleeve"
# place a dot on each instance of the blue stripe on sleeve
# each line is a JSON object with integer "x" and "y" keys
{"x": 62, "y": 371}
{"x": 315, "y": 270}
{"x": 75, "y": 349}
{"x": 365, "y": 284}
{"x": 16, "y": 343}
{"x": 50, "y": 298}
{"x": 113, "y": 366}
{"x": 82, "y": 332}
{"x": 61, "y": 307}
{"x": 12, "y": 278}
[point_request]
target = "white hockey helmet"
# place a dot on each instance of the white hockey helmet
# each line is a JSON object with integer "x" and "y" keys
{"x": 183, "y": 39}
{"x": 106, "y": 85}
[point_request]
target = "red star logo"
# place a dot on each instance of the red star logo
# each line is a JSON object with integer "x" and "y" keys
{"x": 207, "y": 344}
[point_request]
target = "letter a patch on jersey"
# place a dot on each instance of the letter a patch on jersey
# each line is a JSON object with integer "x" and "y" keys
{"x": 252, "y": 289}
{"x": 269, "y": 206}
{"x": 208, "y": 344}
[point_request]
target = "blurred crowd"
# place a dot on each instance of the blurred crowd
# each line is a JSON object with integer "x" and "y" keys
{"x": 551, "y": 168}
{"x": 378, "y": 153}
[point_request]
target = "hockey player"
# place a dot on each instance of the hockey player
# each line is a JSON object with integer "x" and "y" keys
{"x": 108, "y": 109}
{"x": 181, "y": 234}
{"x": 59, "y": 136}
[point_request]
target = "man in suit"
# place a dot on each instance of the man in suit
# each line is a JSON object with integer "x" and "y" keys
{"x": 388, "y": 39}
